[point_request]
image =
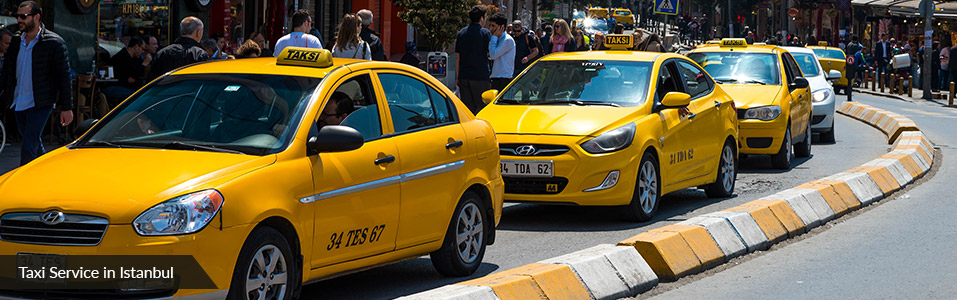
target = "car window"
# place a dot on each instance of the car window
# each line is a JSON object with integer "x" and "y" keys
{"x": 695, "y": 79}
{"x": 740, "y": 67}
{"x": 356, "y": 107}
{"x": 827, "y": 53}
{"x": 791, "y": 67}
{"x": 250, "y": 113}
{"x": 412, "y": 103}
{"x": 667, "y": 82}
{"x": 808, "y": 64}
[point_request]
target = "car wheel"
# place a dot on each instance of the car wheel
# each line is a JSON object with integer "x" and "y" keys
{"x": 464, "y": 245}
{"x": 644, "y": 202}
{"x": 803, "y": 148}
{"x": 828, "y": 136}
{"x": 265, "y": 269}
{"x": 723, "y": 185}
{"x": 782, "y": 160}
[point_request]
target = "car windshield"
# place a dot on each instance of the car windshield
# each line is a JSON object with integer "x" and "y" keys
{"x": 740, "y": 67}
{"x": 622, "y": 12}
{"x": 808, "y": 63}
{"x": 580, "y": 82}
{"x": 237, "y": 113}
{"x": 828, "y": 53}
{"x": 594, "y": 25}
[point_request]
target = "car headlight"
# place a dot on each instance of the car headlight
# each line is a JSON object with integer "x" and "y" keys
{"x": 181, "y": 215}
{"x": 821, "y": 95}
{"x": 763, "y": 113}
{"x": 616, "y": 139}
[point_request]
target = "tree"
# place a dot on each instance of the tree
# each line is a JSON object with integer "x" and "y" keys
{"x": 437, "y": 20}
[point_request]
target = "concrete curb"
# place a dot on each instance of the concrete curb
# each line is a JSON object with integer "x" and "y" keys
{"x": 700, "y": 243}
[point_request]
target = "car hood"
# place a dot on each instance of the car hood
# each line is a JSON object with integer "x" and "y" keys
{"x": 118, "y": 184}
{"x": 818, "y": 82}
{"x": 753, "y": 95}
{"x": 557, "y": 119}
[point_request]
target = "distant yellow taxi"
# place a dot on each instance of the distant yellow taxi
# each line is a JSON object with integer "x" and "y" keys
{"x": 271, "y": 173}
{"x": 598, "y": 12}
{"x": 608, "y": 128}
{"x": 832, "y": 58}
{"x": 771, "y": 95}
{"x": 624, "y": 17}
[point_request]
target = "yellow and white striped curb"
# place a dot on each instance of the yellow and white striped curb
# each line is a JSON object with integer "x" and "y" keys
{"x": 700, "y": 243}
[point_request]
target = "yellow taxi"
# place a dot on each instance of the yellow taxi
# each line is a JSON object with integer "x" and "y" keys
{"x": 771, "y": 95}
{"x": 832, "y": 58}
{"x": 610, "y": 128}
{"x": 598, "y": 12}
{"x": 271, "y": 173}
{"x": 625, "y": 17}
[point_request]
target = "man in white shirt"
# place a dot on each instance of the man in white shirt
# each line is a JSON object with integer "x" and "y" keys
{"x": 299, "y": 37}
{"x": 501, "y": 50}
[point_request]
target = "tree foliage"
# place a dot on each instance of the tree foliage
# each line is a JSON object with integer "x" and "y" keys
{"x": 437, "y": 20}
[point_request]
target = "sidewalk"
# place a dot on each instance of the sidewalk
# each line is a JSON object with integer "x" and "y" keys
{"x": 916, "y": 97}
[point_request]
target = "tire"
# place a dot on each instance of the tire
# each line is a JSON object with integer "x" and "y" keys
{"x": 723, "y": 185}
{"x": 782, "y": 160}
{"x": 803, "y": 148}
{"x": 647, "y": 195}
{"x": 458, "y": 256}
{"x": 828, "y": 136}
{"x": 268, "y": 256}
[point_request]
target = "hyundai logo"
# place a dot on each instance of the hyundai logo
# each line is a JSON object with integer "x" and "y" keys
{"x": 52, "y": 217}
{"x": 526, "y": 150}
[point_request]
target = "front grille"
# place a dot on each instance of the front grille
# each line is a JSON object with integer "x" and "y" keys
{"x": 518, "y": 185}
{"x": 817, "y": 119}
{"x": 75, "y": 230}
{"x": 87, "y": 294}
{"x": 759, "y": 142}
{"x": 538, "y": 149}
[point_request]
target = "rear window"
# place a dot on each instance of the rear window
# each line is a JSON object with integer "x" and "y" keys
{"x": 828, "y": 53}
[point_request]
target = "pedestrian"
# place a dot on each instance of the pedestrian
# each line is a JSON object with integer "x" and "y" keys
{"x": 211, "y": 48}
{"x": 130, "y": 71}
{"x": 348, "y": 44}
{"x": 860, "y": 65}
{"x": 619, "y": 29}
{"x": 581, "y": 44}
{"x": 471, "y": 47}
{"x": 951, "y": 66}
{"x": 5, "y": 37}
{"x": 370, "y": 36}
{"x": 220, "y": 46}
{"x": 600, "y": 41}
{"x": 411, "y": 56}
{"x": 36, "y": 79}
{"x": 945, "y": 63}
{"x": 561, "y": 39}
{"x": 527, "y": 47}
{"x": 501, "y": 51}
{"x": 249, "y": 49}
{"x": 882, "y": 54}
{"x": 261, "y": 41}
{"x": 547, "y": 37}
{"x": 935, "y": 65}
{"x": 299, "y": 37}
{"x": 184, "y": 51}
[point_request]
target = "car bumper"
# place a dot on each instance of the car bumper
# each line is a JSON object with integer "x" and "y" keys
{"x": 574, "y": 172}
{"x": 761, "y": 137}
{"x": 215, "y": 250}
{"x": 823, "y": 117}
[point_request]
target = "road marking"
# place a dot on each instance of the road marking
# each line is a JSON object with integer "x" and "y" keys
{"x": 913, "y": 110}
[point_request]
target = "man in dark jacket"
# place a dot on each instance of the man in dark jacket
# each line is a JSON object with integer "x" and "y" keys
{"x": 471, "y": 61}
{"x": 184, "y": 51}
{"x": 130, "y": 70}
{"x": 369, "y": 35}
{"x": 35, "y": 79}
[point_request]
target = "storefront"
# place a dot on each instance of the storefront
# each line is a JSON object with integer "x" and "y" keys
{"x": 119, "y": 20}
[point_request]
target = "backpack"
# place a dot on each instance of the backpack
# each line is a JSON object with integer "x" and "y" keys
{"x": 533, "y": 43}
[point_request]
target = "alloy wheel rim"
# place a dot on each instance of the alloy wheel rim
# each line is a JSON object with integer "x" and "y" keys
{"x": 469, "y": 232}
{"x": 648, "y": 187}
{"x": 267, "y": 274}
{"x": 727, "y": 168}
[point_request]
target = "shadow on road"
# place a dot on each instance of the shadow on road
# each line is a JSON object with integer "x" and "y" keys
{"x": 382, "y": 283}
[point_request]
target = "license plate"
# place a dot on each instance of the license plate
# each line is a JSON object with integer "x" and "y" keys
{"x": 38, "y": 262}
{"x": 526, "y": 168}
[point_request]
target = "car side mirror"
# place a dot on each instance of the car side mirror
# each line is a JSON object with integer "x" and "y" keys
{"x": 334, "y": 138}
{"x": 84, "y": 126}
{"x": 834, "y": 75}
{"x": 799, "y": 83}
{"x": 489, "y": 96}
{"x": 676, "y": 100}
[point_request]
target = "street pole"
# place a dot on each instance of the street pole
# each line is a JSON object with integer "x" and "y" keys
{"x": 730, "y": 25}
{"x": 927, "y": 9}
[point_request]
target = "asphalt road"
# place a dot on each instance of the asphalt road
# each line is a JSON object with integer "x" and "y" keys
{"x": 900, "y": 249}
{"x": 530, "y": 233}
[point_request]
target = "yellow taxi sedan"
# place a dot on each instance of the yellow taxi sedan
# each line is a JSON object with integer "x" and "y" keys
{"x": 625, "y": 17}
{"x": 609, "y": 128}
{"x": 771, "y": 95}
{"x": 270, "y": 173}
{"x": 832, "y": 58}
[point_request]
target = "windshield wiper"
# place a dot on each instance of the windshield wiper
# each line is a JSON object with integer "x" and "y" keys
{"x": 752, "y": 81}
{"x": 177, "y": 145}
{"x": 97, "y": 144}
{"x": 583, "y": 103}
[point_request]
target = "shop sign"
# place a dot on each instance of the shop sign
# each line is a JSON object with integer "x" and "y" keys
{"x": 793, "y": 12}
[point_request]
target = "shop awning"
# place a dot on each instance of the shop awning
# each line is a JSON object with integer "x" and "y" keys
{"x": 886, "y": 3}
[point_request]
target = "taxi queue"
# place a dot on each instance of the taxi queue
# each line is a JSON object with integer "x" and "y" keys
{"x": 300, "y": 168}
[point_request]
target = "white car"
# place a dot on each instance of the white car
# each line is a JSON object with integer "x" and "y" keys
{"x": 822, "y": 92}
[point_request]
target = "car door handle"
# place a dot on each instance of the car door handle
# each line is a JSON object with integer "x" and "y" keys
{"x": 454, "y": 144}
{"x": 385, "y": 160}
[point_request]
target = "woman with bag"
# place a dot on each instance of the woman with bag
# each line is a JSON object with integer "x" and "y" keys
{"x": 348, "y": 44}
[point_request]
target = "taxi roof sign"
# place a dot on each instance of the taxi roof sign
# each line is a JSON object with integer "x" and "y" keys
{"x": 619, "y": 41}
{"x": 734, "y": 43}
{"x": 822, "y": 43}
{"x": 305, "y": 57}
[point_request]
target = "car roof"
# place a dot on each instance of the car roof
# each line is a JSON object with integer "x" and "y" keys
{"x": 825, "y": 47}
{"x": 623, "y": 55}
{"x": 798, "y": 49}
{"x": 749, "y": 48}
{"x": 262, "y": 65}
